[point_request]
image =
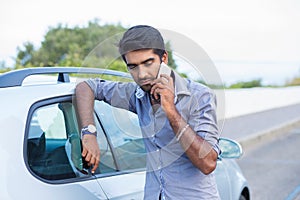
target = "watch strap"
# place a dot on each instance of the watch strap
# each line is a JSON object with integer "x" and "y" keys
{"x": 85, "y": 131}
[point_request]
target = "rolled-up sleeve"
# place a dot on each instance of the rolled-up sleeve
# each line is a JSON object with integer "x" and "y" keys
{"x": 117, "y": 94}
{"x": 204, "y": 118}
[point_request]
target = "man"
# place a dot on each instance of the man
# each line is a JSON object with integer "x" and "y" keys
{"x": 177, "y": 118}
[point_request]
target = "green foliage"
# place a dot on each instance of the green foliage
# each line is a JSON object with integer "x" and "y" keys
{"x": 212, "y": 86}
{"x": 3, "y": 67}
{"x": 171, "y": 61}
{"x": 118, "y": 65}
{"x": 78, "y": 47}
{"x": 3, "y": 70}
{"x": 294, "y": 82}
{"x": 247, "y": 84}
{"x": 64, "y": 46}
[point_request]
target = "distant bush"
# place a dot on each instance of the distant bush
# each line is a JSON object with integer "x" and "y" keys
{"x": 295, "y": 81}
{"x": 3, "y": 70}
{"x": 247, "y": 84}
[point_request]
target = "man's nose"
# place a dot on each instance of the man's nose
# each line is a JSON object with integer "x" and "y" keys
{"x": 142, "y": 73}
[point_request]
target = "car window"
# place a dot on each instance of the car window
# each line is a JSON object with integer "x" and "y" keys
{"x": 53, "y": 143}
{"x": 124, "y": 134}
{"x": 107, "y": 163}
{"x": 49, "y": 143}
{"x": 54, "y": 146}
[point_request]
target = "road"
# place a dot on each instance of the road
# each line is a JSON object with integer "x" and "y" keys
{"x": 273, "y": 167}
{"x": 239, "y": 128}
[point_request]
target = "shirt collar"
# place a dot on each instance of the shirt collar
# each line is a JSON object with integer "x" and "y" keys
{"x": 180, "y": 87}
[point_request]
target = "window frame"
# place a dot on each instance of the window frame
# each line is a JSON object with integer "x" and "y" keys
{"x": 110, "y": 143}
{"x": 32, "y": 109}
{"x": 61, "y": 99}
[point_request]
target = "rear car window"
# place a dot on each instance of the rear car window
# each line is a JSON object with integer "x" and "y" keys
{"x": 53, "y": 143}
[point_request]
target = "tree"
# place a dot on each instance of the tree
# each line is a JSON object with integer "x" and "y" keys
{"x": 65, "y": 46}
{"x": 247, "y": 84}
{"x": 294, "y": 81}
{"x": 25, "y": 55}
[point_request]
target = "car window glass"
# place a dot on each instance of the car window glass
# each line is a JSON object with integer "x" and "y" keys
{"x": 53, "y": 143}
{"x": 123, "y": 131}
{"x": 48, "y": 119}
{"x": 107, "y": 163}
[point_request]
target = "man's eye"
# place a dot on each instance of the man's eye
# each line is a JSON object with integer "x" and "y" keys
{"x": 148, "y": 63}
{"x": 131, "y": 66}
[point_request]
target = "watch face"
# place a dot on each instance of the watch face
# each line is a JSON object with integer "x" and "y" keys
{"x": 91, "y": 128}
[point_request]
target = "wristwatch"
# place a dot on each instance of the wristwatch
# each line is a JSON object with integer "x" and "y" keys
{"x": 90, "y": 129}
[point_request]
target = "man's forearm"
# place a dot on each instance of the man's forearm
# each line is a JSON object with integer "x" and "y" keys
{"x": 197, "y": 149}
{"x": 84, "y": 99}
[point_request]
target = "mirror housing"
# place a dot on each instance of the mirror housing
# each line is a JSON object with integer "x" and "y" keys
{"x": 230, "y": 148}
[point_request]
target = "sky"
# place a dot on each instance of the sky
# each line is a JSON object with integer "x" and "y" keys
{"x": 244, "y": 39}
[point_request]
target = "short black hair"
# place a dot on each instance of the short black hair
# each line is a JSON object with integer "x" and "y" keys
{"x": 142, "y": 37}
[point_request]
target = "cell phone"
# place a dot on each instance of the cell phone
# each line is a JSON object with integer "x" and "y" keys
{"x": 164, "y": 69}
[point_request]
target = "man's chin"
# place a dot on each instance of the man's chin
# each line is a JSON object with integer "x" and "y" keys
{"x": 146, "y": 88}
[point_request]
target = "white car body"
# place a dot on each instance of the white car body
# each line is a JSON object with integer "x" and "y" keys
{"x": 18, "y": 179}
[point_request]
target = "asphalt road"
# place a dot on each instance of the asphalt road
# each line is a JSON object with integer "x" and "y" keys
{"x": 273, "y": 167}
{"x": 239, "y": 128}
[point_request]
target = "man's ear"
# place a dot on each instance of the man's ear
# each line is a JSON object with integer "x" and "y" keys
{"x": 165, "y": 57}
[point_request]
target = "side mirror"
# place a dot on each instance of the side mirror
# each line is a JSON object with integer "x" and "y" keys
{"x": 230, "y": 148}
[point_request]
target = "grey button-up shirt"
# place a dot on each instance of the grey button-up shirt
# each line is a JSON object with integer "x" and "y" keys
{"x": 170, "y": 173}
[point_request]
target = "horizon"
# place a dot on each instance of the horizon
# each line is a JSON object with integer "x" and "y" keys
{"x": 233, "y": 33}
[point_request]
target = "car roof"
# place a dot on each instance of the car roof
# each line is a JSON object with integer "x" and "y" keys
{"x": 21, "y": 88}
{"x": 16, "y": 77}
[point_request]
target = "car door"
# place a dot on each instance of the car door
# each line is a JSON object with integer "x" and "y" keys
{"x": 52, "y": 153}
{"x": 223, "y": 180}
{"x": 123, "y": 156}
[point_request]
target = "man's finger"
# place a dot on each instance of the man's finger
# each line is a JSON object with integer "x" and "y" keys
{"x": 84, "y": 152}
{"x": 93, "y": 160}
{"x": 153, "y": 90}
{"x": 165, "y": 78}
{"x": 95, "y": 166}
{"x": 88, "y": 157}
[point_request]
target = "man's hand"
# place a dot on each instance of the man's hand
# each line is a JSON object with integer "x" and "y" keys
{"x": 163, "y": 88}
{"x": 91, "y": 151}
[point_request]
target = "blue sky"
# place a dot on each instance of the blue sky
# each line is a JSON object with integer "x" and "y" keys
{"x": 255, "y": 31}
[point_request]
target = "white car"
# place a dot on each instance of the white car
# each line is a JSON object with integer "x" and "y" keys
{"x": 40, "y": 146}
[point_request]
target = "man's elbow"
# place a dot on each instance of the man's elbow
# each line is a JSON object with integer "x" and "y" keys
{"x": 210, "y": 166}
{"x": 209, "y": 163}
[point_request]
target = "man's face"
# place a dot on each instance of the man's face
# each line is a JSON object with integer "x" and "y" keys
{"x": 143, "y": 66}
